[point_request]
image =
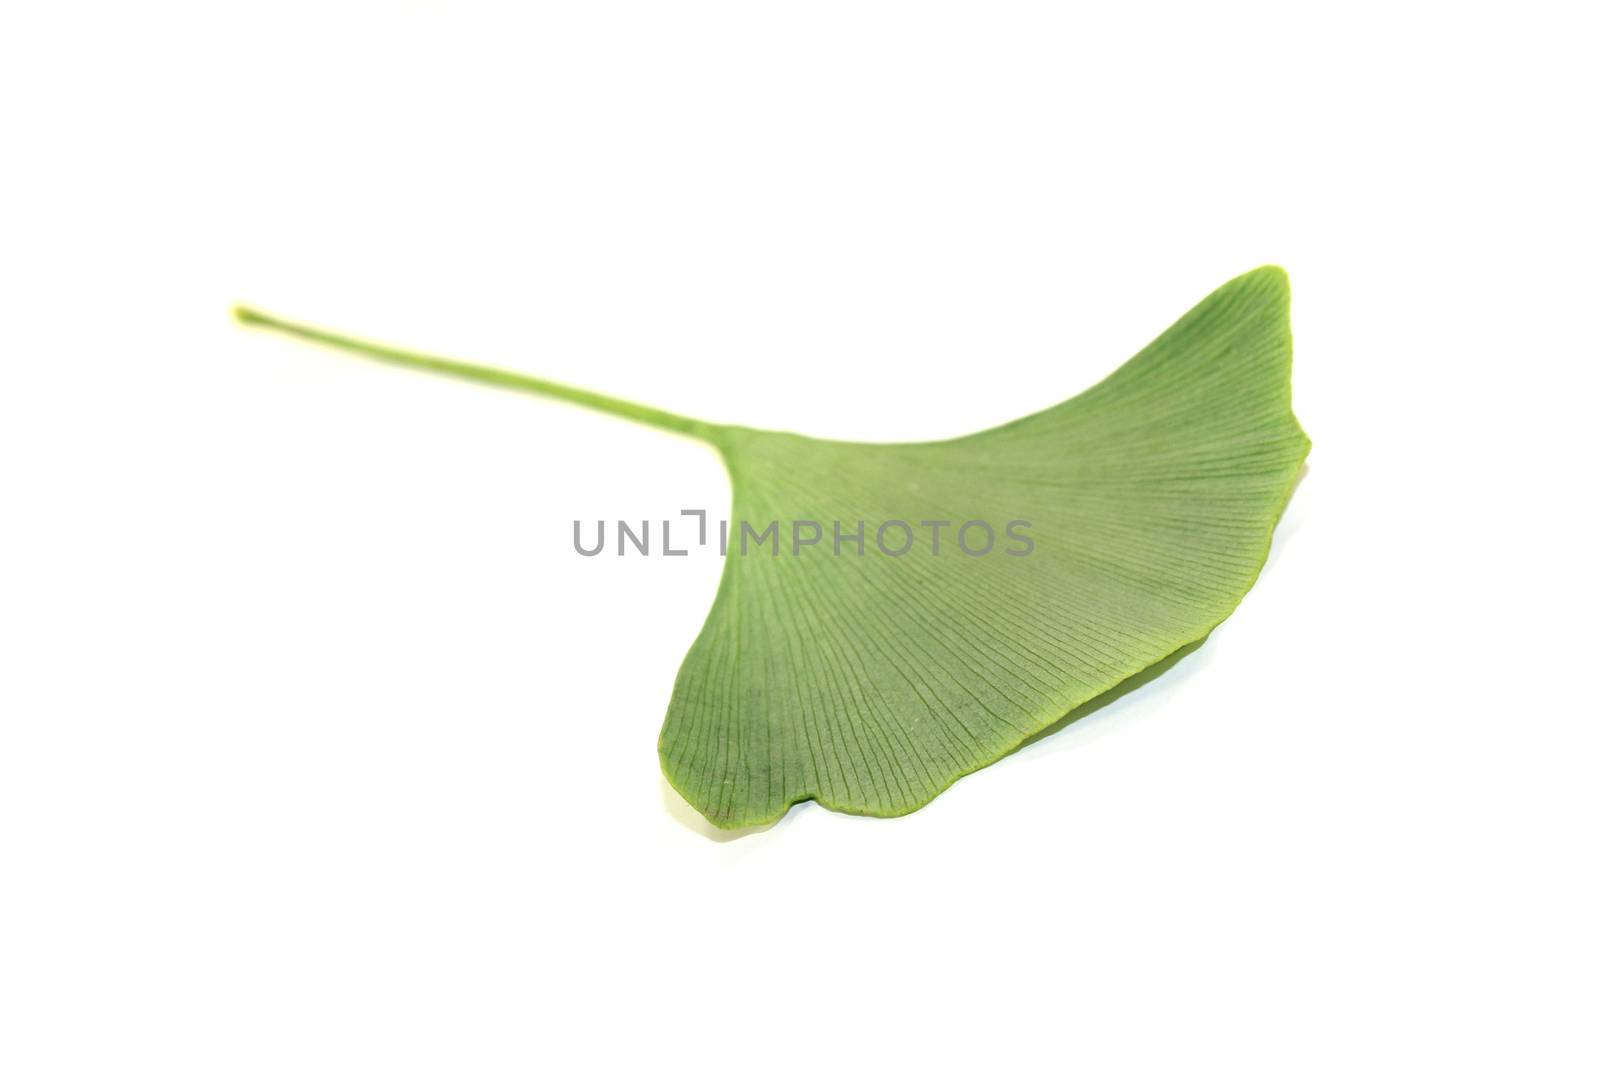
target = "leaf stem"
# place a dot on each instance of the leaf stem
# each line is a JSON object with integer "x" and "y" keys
{"x": 503, "y": 379}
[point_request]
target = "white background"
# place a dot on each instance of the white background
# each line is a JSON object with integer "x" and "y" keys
{"x": 320, "y": 745}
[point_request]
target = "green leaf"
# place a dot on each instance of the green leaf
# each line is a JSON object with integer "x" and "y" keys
{"x": 1126, "y": 524}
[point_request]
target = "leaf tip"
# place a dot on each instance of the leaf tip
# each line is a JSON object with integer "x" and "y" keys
{"x": 1269, "y": 278}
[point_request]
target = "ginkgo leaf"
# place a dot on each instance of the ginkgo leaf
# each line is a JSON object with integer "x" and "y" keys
{"x": 894, "y": 616}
